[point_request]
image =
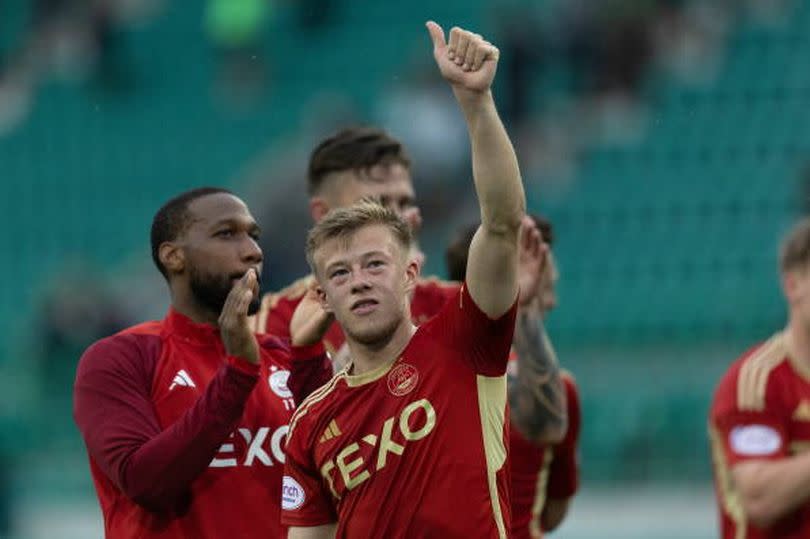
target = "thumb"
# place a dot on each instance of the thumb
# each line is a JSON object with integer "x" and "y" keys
{"x": 436, "y": 34}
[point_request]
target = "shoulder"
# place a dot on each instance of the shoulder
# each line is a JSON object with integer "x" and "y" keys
{"x": 314, "y": 408}
{"x": 433, "y": 286}
{"x": 744, "y": 385}
{"x": 132, "y": 349}
{"x": 288, "y": 297}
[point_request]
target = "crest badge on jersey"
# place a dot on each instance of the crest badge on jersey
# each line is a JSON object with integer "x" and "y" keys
{"x": 278, "y": 382}
{"x": 402, "y": 379}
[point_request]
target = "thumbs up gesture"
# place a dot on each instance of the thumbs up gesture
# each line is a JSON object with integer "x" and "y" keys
{"x": 467, "y": 61}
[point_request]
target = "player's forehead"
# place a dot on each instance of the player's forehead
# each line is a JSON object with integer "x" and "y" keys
{"x": 380, "y": 181}
{"x": 210, "y": 210}
{"x": 358, "y": 244}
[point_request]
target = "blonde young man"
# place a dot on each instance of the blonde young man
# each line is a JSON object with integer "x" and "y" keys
{"x": 759, "y": 422}
{"x": 417, "y": 412}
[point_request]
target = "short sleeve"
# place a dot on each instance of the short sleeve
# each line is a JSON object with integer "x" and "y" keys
{"x": 747, "y": 433}
{"x": 305, "y": 500}
{"x": 563, "y": 480}
{"x": 486, "y": 342}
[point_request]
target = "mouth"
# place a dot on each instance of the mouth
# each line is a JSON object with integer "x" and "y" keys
{"x": 364, "y": 306}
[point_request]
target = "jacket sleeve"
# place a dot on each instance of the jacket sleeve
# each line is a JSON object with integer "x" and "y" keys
{"x": 113, "y": 409}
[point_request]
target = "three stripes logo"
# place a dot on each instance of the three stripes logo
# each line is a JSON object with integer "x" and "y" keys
{"x": 182, "y": 379}
{"x": 332, "y": 431}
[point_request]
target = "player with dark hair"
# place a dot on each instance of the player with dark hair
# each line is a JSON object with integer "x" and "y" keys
{"x": 355, "y": 164}
{"x": 409, "y": 440}
{"x": 759, "y": 423}
{"x": 543, "y": 399}
{"x": 184, "y": 419}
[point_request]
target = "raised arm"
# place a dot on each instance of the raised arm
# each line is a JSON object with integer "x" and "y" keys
{"x": 468, "y": 63}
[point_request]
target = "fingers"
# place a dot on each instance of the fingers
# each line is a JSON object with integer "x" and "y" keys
{"x": 464, "y": 42}
{"x": 239, "y": 298}
{"x": 436, "y": 34}
{"x": 482, "y": 52}
{"x": 473, "y": 45}
{"x": 468, "y": 50}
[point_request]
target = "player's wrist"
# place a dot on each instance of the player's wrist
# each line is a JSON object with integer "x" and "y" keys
{"x": 474, "y": 101}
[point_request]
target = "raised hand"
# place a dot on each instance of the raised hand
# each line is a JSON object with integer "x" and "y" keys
{"x": 235, "y": 327}
{"x": 468, "y": 62}
{"x": 310, "y": 321}
{"x": 532, "y": 258}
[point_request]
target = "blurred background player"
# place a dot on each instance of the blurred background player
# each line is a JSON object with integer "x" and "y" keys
{"x": 543, "y": 440}
{"x": 759, "y": 422}
{"x": 348, "y": 473}
{"x": 355, "y": 164}
{"x": 184, "y": 418}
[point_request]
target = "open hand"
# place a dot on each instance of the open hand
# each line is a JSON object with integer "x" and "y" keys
{"x": 235, "y": 327}
{"x": 310, "y": 321}
{"x": 532, "y": 258}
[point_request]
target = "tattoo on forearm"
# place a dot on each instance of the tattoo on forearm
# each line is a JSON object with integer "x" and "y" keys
{"x": 536, "y": 392}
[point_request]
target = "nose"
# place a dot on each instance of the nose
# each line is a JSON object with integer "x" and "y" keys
{"x": 413, "y": 217}
{"x": 358, "y": 283}
{"x": 251, "y": 252}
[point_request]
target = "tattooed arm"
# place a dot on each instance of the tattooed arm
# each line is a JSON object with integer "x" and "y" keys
{"x": 536, "y": 392}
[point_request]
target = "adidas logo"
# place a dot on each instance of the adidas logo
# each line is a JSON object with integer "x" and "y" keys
{"x": 802, "y": 412}
{"x": 182, "y": 379}
{"x": 331, "y": 431}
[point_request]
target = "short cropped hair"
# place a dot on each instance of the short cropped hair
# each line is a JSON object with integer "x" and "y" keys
{"x": 794, "y": 253}
{"x": 343, "y": 222}
{"x": 172, "y": 219}
{"x": 356, "y": 149}
{"x": 456, "y": 254}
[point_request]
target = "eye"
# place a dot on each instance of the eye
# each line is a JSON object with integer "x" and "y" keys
{"x": 255, "y": 235}
{"x": 338, "y": 273}
{"x": 376, "y": 263}
{"x": 225, "y": 233}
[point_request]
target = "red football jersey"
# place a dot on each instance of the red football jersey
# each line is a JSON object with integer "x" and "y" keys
{"x": 540, "y": 472}
{"x": 761, "y": 410}
{"x": 184, "y": 441}
{"x": 277, "y": 309}
{"x": 417, "y": 448}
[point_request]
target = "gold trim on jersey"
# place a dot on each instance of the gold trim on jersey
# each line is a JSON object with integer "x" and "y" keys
{"x": 729, "y": 497}
{"x": 752, "y": 380}
{"x": 540, "y": 494}
{"x": 802, "y": 411}
{"x": 357, "y": 380}
{"x": 801, "y": 446}
{"x": 271, "y": 300}
{"x": 315, "y": 397}
{"x": 492, "y": 410}
{"x": 331, "y": 431}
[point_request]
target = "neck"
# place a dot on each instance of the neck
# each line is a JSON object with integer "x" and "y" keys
{"x": 367, "y": 357}
{"x": 798, "y": 341}
{"x": 184, "y": 302}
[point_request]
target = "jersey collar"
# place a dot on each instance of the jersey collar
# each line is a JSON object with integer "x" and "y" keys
{"x": 186, "y": 329}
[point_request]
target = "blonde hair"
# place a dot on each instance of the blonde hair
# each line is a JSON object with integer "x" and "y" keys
{"x": 794, "y": 253}
{"x": 344, "y": 222}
